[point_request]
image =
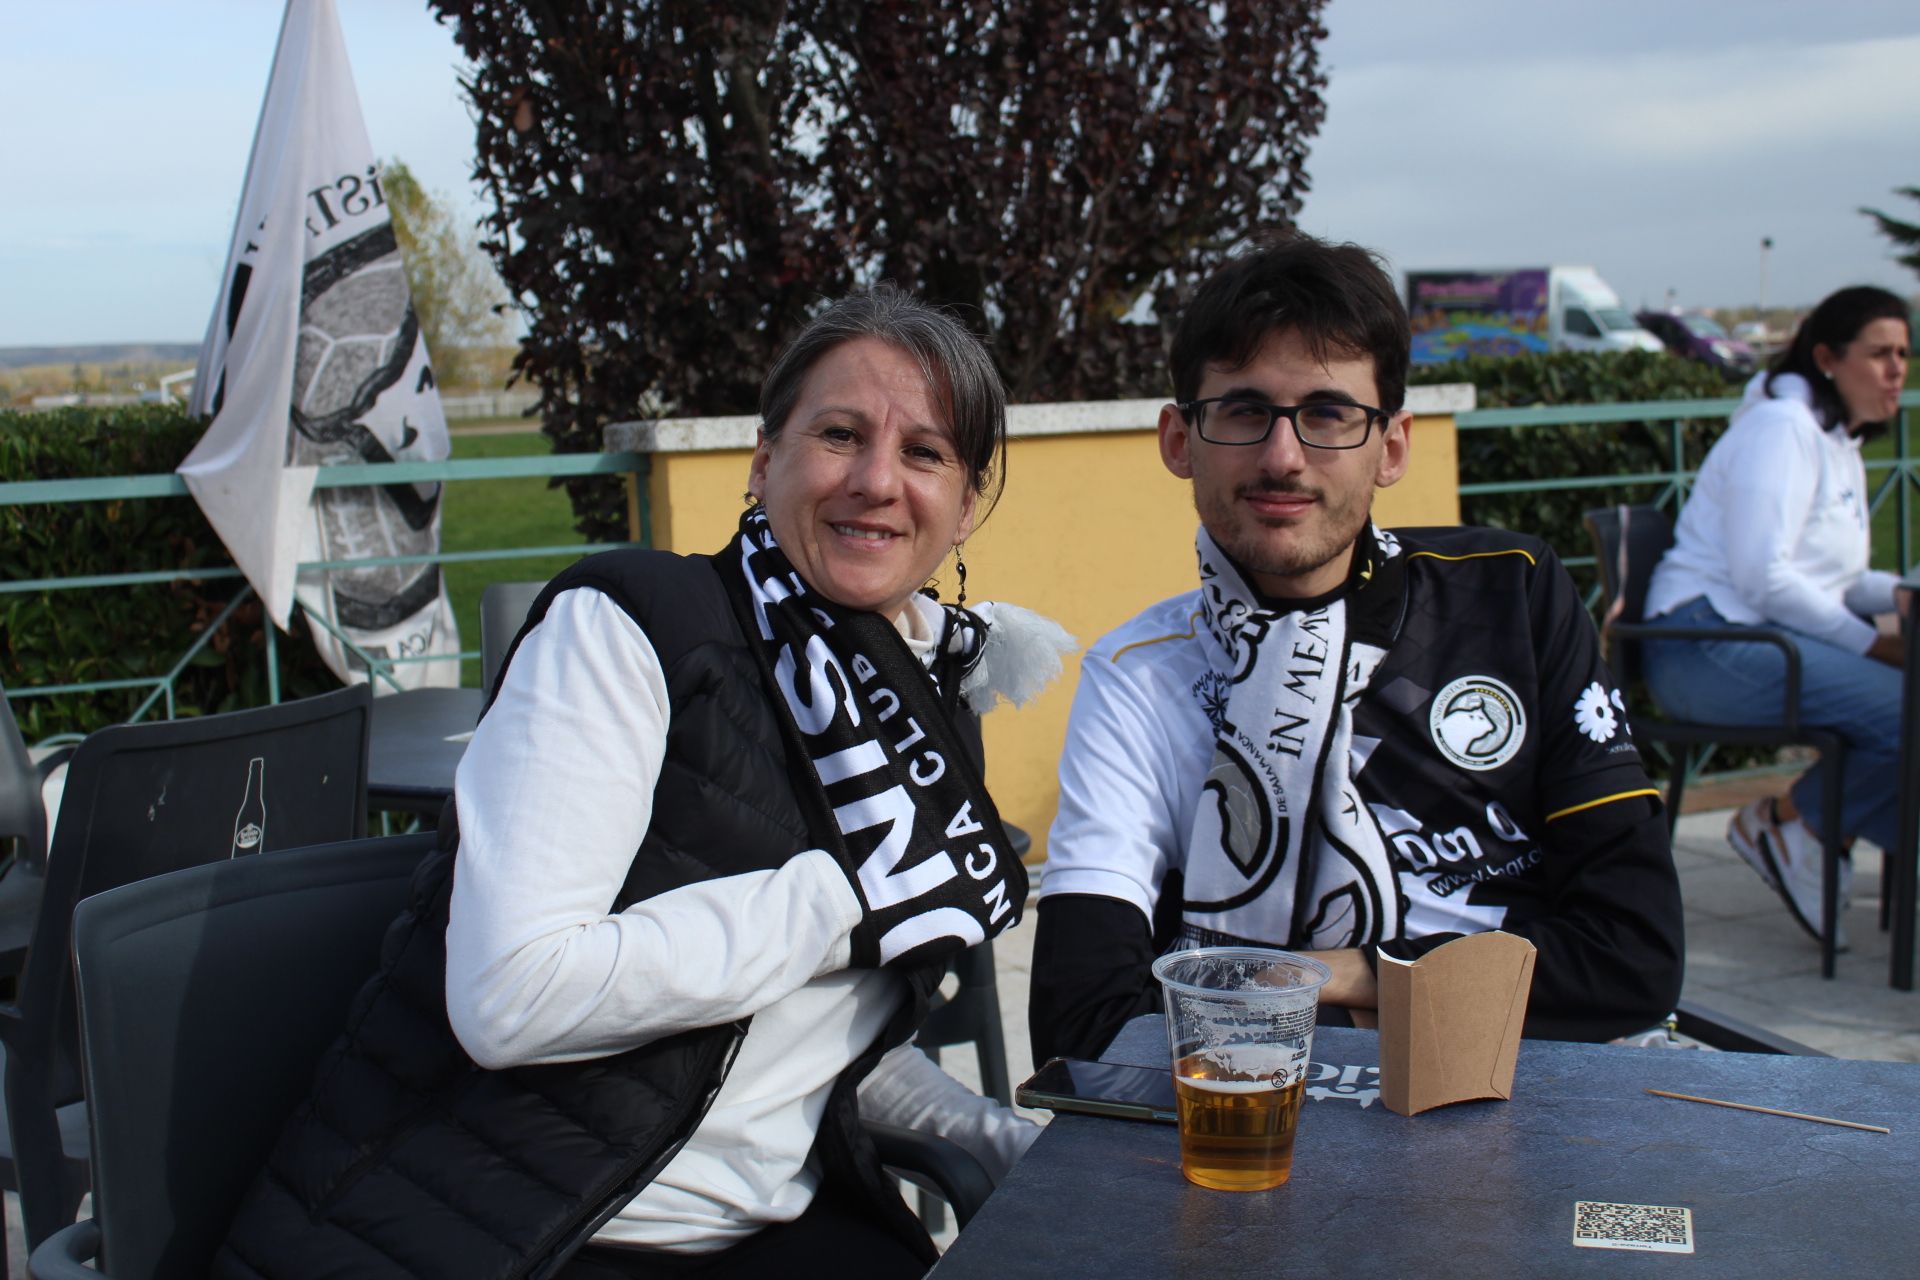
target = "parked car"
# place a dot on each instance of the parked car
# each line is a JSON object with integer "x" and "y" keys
{"x": 1700, "y": 337}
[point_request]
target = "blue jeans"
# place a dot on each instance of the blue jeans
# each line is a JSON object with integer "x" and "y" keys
{"x": 1739, "y": 682}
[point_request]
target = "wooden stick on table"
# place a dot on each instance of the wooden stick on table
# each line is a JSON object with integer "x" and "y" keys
{"x": 1771, "y": 1111}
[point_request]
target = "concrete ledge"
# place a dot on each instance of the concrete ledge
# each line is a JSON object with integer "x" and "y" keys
{"x": 1086, "y": 417}
{"x": 1443, "y": 397}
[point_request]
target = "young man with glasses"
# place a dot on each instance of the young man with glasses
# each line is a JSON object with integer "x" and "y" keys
{"x": 1347, "y": 741}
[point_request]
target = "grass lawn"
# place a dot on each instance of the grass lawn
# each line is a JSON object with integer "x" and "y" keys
{"x": 1886, "y": 520}
{"x": 481, "y": 515}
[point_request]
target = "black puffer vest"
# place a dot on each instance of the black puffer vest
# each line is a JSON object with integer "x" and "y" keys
{"x": 409, "y": 1160}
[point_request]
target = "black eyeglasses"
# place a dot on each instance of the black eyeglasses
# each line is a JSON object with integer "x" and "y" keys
{"x": 1328, "y": 424}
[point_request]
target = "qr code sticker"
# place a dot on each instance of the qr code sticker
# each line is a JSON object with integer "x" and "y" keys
{"x": 1658, "y": 1228}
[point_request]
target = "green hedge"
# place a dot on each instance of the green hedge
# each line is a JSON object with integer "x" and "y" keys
{"x": 1539, "y": 453}
{"x": 110, "y": 633}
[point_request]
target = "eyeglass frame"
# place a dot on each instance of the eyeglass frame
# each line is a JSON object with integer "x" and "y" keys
{"x": 1194, "y": 412}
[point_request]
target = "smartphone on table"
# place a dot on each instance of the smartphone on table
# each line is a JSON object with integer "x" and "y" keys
{"x": 1101, "y": 1089}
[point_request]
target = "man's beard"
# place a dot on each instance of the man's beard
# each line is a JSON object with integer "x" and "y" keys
{"x": 1290, "y": 551}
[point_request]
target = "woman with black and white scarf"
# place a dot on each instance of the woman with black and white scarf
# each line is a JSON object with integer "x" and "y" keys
{"x": 719, "y": 833}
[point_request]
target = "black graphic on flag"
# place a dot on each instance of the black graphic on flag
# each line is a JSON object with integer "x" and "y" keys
{"x": 358, "y": 332}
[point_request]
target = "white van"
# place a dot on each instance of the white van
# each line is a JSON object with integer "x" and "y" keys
{"x": 1587, "y": 315}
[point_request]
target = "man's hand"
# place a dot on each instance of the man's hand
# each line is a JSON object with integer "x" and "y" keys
{"x": 1352, "y": 985}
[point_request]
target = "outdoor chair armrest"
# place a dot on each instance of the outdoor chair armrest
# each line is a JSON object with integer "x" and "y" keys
{"x": 64, "y": 1255}
{"x": 949, "y": 1167}
{"x": 1790, "y": 691}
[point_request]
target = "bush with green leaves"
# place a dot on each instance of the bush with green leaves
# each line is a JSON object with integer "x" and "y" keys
{"x": 52, "y": 637}
{"x": 1559, "y": 452}
{"x": 677, "y": 186}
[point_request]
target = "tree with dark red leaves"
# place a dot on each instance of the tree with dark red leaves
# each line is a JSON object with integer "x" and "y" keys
{"x": 677, "y": 185}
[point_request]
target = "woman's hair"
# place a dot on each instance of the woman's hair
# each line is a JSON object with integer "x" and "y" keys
{"x": 1837, "y": 321}
{"x": 958, "y": 369}
{"x": 1336, "y": 296}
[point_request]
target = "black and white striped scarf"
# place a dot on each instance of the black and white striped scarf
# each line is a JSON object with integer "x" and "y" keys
{"x": 887, "y": 784}
{"x": 1283, "y": 851}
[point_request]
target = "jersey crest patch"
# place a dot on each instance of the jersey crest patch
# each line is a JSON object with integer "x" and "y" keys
{"x": 1477, "y": 722}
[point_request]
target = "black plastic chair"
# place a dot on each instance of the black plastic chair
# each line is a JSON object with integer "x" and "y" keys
{"x": 142, "y": 800}
{"x": 23, "y": 815}
{"x": 503, "y": 609}
{"x": 1627, "y": 543}
{"x": 971, "y": 1013}
{"x": 206, "y": 1000}
{"x": 1717, "y": 1030}
{"x": 23, "y": 824}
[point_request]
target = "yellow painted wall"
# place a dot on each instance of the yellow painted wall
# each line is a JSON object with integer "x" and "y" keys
{"x": 1091, "y": 530}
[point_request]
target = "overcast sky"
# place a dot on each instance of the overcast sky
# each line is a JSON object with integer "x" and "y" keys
{"x": 1656, "y": 140}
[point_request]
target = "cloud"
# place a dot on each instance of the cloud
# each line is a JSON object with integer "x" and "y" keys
{"x": 1754, "y": 100}
{"x": 1748, "y": 100}
{"x": 1664, "y": 168}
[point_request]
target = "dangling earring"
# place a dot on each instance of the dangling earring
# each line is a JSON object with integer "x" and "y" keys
{"x": 748, "y": 498}
{"x": 960, "y": 567}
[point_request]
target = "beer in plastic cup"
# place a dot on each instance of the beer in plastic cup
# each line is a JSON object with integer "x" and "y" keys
{"x": 1240, "y": 1024}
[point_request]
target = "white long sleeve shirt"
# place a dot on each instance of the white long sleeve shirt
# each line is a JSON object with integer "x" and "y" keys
{"x": 554, "y": 794}
{"x": 1776, "y": 530}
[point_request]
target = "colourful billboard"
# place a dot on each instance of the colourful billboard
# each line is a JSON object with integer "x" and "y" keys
{"x": 1481, "y": 313}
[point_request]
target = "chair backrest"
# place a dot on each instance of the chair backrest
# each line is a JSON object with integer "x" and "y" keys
{"x": 971, "y": 1014}
{"x": 207, "y": 998}
{"x": 503, "y": 608}
{"x": 145, "y": 799}
{"x": 1627, "y": 543}
{"x": 23, "y": 816}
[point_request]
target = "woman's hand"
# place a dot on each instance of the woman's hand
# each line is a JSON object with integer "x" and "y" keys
{"x": 1889, "y": 647}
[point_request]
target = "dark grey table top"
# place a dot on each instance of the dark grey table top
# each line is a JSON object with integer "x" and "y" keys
{"x": 1486, "y": 1188}
{"x": 417, "y": 739}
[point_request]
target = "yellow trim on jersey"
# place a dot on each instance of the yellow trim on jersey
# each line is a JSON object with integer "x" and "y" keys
{"x": 1477, "y": 555}
{"x": 1193, "y": 627}
{"x": 1593, "y": 804}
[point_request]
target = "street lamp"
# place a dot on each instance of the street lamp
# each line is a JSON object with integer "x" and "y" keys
{"x": 1766, "y": 247}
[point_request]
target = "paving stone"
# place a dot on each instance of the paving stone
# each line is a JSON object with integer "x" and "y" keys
{"x": 1727, "y": 891}
{"x": 1748, "y": 959}
{"x": 1739, "y": 953}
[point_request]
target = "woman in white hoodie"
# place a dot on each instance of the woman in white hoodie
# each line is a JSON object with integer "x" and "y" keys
{"x": 1776, "y": 534}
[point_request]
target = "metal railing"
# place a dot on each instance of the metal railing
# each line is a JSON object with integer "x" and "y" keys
{"x": 1897, "y": 477}
{"x": 633, "y": 467}
{"x": 1893, "y": 470}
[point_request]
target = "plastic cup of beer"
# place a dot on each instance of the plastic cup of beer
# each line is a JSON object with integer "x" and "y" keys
{"x": 1240, "y": 1024}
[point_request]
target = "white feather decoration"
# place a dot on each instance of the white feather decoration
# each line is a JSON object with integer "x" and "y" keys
{"x": 1021, "y": 656}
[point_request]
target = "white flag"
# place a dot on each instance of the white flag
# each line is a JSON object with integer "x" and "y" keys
{"x": 314, "y": 357}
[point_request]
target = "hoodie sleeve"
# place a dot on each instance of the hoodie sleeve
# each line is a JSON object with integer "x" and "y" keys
{"x": 1772, "y": 474}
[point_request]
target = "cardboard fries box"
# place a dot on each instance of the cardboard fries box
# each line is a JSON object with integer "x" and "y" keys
{"x": 1450, "y": 1021}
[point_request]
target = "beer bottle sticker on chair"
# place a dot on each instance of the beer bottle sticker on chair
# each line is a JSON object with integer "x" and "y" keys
{"x": 250, "y": 824}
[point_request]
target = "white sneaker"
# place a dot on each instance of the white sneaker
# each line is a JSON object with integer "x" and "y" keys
{"x": 1795, "y": 852}
{"x": 1750, "y": 823}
